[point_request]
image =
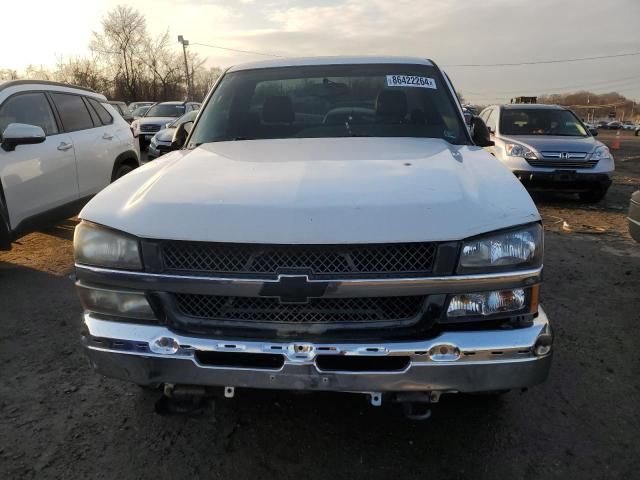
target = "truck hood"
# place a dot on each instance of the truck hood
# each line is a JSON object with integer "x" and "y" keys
{"x": 550, "y": 143}
{"x": 316, "y": 191}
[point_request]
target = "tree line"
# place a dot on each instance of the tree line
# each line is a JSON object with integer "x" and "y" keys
{"x": 127, "y": 63}
{"x": 594, "y": 106}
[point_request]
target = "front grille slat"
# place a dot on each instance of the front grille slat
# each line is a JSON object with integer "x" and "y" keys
{"x": 314, "y": 260}
{"x": 569, "y": 164}
{"x": 317, "y": 310}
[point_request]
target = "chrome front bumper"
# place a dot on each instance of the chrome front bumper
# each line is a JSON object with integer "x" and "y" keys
{"x": 474, "y": 361}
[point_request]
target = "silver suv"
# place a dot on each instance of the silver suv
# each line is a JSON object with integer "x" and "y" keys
{"x": 548, "y": 148}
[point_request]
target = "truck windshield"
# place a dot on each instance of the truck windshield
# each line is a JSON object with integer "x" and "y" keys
{"x": 531, "y": 121}
{"x": 386, "y": 100}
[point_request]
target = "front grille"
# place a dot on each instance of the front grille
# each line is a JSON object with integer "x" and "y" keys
{"x": 314, "y": 260}
{"x": 565, "y": 155}
{"x": 563, "y": 164}
{"x": 318, "y": 310}
{"x": 149, "y": 128}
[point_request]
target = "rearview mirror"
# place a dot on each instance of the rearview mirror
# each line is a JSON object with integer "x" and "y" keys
{"x": 180, "y": 135}
{"x": 480, "y": 133}
{"x": 21, "y": 134}
{"x": 593, "y": 131}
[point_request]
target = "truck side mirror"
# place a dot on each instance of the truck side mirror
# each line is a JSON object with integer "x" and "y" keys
{"x": 593, "y": 132}
{"x": 180, "y": 135}
{"x": 480, "y": 133}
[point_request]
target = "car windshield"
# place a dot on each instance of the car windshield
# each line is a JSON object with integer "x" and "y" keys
{"x": 140, "y": 111}
{"x": 165, "y": 110}
{"x": 187, "y": 117}
{"x": 386, "y": 100}
{"x": 541, "y": 121}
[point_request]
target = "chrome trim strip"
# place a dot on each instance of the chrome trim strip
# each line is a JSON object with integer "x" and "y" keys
{"x": 474, "y": 346}
{"x": 243, "y": 287}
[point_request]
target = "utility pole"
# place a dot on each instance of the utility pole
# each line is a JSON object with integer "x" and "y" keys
{"x": 185, "y": 43}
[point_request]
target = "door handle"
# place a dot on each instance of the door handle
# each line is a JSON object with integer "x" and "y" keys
{"x": 63, "y": 147}
{"x": 107, "y": 136}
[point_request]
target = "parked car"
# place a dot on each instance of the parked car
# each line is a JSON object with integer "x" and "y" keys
{"x": 637, "y": 130}
{"x": 628, "y": 125}
{"x": 60, "y": 145}
{"x": 290, "y": 245}
{"x": 157, "y": 117}
{"x": 548, "y": 148}
{"x": 123, "y": 110}
{"x": 634, "y": 216}
{"x": 161, "y": 141}
{"x": 140, "y": 112}
{"x": 134, "y": 105}
{"x": 615, "y": 125}
{"x": 602, "y": 124}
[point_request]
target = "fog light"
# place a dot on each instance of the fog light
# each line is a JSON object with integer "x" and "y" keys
{"x": 118, "y": 303}
{"x": 543, "y": 345}
{"x": 487, "y": 303}
{"x": 164, "y": 346}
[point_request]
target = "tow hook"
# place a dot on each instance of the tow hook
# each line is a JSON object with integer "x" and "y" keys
{"x": 182, "y": 400}
{"x": 415, "y": 405}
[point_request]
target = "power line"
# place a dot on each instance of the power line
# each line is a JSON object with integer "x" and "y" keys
{"x": 237, "y": 50}
{"x": 540, "y": 62}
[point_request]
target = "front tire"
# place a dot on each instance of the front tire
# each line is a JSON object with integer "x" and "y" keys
{"x": 121, "y": 171}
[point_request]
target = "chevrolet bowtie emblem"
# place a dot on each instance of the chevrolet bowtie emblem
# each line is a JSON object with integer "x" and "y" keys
{"x": 294, "y": 289}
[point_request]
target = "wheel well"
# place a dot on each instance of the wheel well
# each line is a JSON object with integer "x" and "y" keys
{"x": 126, "y": 158}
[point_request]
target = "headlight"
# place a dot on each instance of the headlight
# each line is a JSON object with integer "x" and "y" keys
{"x": 500, "y": 251}
{"x": 517, "y": 150}
{"x": 154, "y": 140}
{"x": 601, "y": 153}
{"x": 99, "y": 246}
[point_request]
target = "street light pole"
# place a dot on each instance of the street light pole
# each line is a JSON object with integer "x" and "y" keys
{"x": 185, "y": 43}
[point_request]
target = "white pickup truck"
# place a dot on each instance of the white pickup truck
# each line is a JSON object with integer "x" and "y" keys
{"x": 324, "y": 224}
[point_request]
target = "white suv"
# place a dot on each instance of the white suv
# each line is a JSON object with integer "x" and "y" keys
{"x": 60, "y": 145}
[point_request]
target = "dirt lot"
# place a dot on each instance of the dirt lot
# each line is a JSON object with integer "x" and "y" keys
{"x": 60, "y": 420}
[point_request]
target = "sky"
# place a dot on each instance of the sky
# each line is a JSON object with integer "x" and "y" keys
{"x": 451, "y": 32}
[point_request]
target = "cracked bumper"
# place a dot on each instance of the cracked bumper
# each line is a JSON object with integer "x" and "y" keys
{"x": 476, "y": 360}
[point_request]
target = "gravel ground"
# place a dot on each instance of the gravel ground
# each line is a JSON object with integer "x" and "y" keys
{"x": 60, "y": 420}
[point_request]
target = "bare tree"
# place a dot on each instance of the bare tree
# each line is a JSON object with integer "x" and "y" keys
{"x": 126, "y": 63}
{"x": 37, "y": 73}
{"x": 121, "y": 43}
{"x": 84, "y": 72}
{"x": 164, "y": 66}
{"x": 8, "y": 74}
{"x": 203, "y": 79}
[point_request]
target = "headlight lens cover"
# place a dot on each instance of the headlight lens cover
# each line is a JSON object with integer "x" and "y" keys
{"x": 601, "y": 153}
{"x": 499, "y": 251}
{"x": 517, "y": 150}
{"x": 99, "y": 246}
